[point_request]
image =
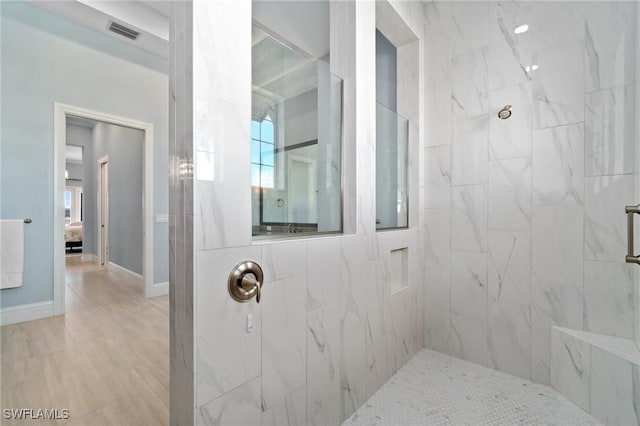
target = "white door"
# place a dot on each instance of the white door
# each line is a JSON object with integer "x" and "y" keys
{"x": 302, "y": 189}
{"x": 103, "y": 212}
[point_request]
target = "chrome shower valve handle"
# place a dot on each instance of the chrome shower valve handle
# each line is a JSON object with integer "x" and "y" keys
{"x": 245, "y": 281}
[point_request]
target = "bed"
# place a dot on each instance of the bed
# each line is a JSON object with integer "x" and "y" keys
{"x": 73, "y": 236}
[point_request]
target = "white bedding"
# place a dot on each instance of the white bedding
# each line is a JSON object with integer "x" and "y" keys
{"x": 73, "y": 232}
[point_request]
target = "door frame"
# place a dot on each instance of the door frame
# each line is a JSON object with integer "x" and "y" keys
{"x": 61, "y": 111}
{"x": 104, "y": 262}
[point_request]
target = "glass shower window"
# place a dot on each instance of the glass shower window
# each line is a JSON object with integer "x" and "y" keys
{"x": 296, "y": 141}
{"x": 392, "y": 140}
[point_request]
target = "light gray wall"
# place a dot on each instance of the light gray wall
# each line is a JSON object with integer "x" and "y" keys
{"x": 124, "y": 146}
{"x": 46, "y": 59}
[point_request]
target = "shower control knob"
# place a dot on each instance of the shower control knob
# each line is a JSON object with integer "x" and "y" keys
{"x": 505, "y": 112}
{"x": 245, "y": 281}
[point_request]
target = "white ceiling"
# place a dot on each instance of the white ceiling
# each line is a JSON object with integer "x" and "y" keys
{"x": 303, "y": 24}
{"x": 160, "y": 6}
{"x": 135, "y": 13}
{"x": 150, "y": 18}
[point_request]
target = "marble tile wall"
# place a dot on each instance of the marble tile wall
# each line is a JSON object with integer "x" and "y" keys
{"x": 330, "y": 328}
{"x": 571, "y": 368}
{"x": 598, "y": 373}
{"x": 524, "y": 218}
{"x": 615, "y": 388}
{"x": 637, "y": 174}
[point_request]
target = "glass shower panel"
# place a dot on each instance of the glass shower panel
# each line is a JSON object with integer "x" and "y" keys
{"x": 392, "y": 140}
{"x": 296, "y": 141}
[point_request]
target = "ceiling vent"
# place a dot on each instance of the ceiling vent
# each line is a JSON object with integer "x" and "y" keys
{"x": 123, "y": 31}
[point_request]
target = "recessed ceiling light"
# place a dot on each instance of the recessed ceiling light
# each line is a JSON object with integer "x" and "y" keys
{"x": 521, "y": 29}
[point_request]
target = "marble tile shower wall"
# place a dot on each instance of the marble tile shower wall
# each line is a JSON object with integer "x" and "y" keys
{"x": 524, "y": 218}
{"x": 329, "y": 330}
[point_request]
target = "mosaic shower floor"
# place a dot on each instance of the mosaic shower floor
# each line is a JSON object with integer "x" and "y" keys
{"x": 436, "y": 389}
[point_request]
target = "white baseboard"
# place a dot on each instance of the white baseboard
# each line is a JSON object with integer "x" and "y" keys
{"x": 28, "y": 312}
{"x": 125, "y": 270}
{"x": 88, "y": 257}
{"x": 159, "y": 289}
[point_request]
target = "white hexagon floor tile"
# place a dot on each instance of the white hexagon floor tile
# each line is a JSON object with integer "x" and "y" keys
{"x": 437, "y": 389}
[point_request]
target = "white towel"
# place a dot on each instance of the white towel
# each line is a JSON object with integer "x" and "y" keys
{"x": 11, "y": 253}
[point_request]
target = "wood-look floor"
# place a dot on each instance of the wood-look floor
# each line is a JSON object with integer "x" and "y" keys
{"x": 106, "y": 360}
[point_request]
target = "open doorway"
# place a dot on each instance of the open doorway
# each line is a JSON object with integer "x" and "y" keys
{"x": 95, "y": 150}
{"x": 116, "y": 195}
{"x": 73, "y": 200}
